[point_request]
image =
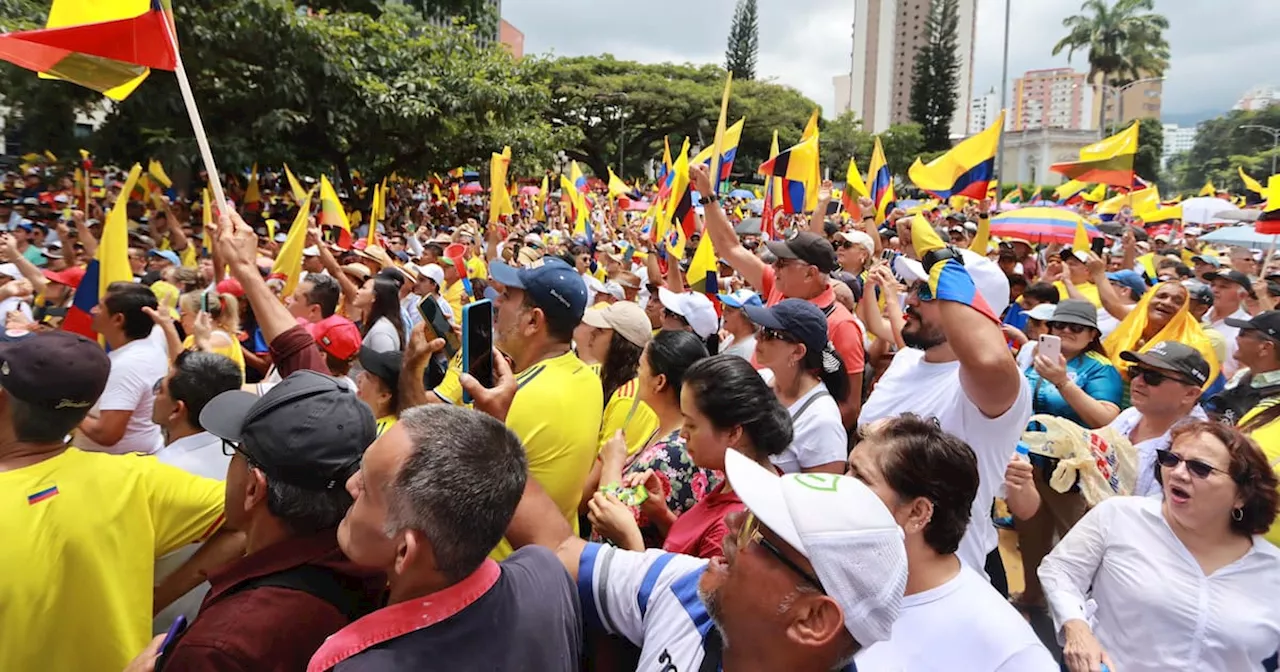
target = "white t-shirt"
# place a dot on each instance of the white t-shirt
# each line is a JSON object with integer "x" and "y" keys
{"x": 818, "y": 434}
{"x": 135, "y": 368}
{"x": 382, "y": 336}
{"x": 964, "y": 624}
{"x": 933, "y": 390}
{"x": 200, "y": 454}
{"x": 744, "y": 348}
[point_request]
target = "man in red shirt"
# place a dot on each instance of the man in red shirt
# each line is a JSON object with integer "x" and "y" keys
{"x": 802, "y": 271}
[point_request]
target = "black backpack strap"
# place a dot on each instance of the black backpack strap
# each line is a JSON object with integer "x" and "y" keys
{"x": 345, "y": 594}
{"x": 808, "y": 402}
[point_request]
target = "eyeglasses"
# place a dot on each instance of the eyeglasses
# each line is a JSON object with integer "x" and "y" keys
{"x": 846, "y": 245}
{"x": 1171, "y": 460}
{"x": 230, "y": 448}
{"x": 1069, "y": 327}
{"x": 922, "y": 291}
{"x": 775, "y": 335}
{"x": 1156, "y": 378}
{"x": 750, "y": 533}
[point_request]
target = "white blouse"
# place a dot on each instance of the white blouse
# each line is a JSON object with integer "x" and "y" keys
{"x": 1155, "y": 608}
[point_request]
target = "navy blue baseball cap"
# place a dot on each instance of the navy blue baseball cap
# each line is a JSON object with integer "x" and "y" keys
{"x": 797, "y": 317}
{"x": 555, "y": 287}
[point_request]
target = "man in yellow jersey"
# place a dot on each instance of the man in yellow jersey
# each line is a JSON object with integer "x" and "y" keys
{"x": 559, "y": 405}
{"x": 454, "y": 290}
{"x": 82, "y": 530}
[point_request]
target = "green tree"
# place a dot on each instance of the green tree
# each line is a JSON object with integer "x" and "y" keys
{"x": 934, "y": 80}
{"x": 1124, "y": 41}
{"x": 744, "y": 41}
{"x": 1223, "y": 145}
{"x": 610, "y": 101}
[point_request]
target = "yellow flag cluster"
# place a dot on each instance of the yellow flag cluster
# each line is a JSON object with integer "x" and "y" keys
{"x": 499, "y": 196}
{"x": 288, "y": 263}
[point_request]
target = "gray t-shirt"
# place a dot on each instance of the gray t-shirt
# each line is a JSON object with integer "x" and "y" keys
{"x": 383, "y": 336}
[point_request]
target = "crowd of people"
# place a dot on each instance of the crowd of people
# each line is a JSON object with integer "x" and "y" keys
{"x": 805, "y": 466}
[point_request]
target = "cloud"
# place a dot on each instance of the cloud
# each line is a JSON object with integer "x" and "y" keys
{"x": 1216, "y": 54}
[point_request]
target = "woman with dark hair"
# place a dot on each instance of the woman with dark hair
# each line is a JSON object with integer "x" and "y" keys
{"x": 809, "y": 380}
{"x": 673, "y": 482}
{"x": 378, "y": 305}
{"x": 725, "y": 404}
{"x": 1183, "y": 583}
{"x": 1080, "y": 384}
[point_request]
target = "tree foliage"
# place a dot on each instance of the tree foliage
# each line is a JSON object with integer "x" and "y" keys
{"x": 744, "y": 41}
{"x": 604, "y": 98}
{"x": 1222, "y": 146}
{"x": 1124, "y": 41}
{"x": 337, "y": 91}
{"x": 934, "y": 80}
{"x": 844, "y": 137}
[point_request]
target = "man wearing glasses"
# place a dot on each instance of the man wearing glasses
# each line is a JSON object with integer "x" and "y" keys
{"x": 813, "y": 572}
{"x": 1165, "y": 384}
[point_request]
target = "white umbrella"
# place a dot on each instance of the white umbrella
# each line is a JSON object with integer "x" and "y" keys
{"x": 1204, "y": 210}
{"x": 1238, "y": 236}
{"x": 1240, "y": 215}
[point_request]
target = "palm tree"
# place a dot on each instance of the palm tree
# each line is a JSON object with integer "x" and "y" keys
{"x": 1125, "y": 41}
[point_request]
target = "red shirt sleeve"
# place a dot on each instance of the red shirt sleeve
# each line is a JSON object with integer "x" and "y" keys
{"x": 295, "y": 350}
{"x": 846, "y": 336}
{"x": 712, "y": 542}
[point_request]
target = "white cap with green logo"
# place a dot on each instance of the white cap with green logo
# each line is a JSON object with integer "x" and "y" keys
{"x": 843, "y": 529}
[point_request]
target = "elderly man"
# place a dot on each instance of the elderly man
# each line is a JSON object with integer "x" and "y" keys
{"x": 1230, "y": 289}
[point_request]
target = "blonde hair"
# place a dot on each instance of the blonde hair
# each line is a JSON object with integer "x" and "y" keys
{"x": 223, "y": 308}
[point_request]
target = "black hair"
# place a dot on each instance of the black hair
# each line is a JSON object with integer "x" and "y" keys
{"x": 621, "y": 361}
{"x": 128, "y": 299}
{"x": 433, "y": 248}
{"x": 922, "y": 460}
{"x": 560, "y": 331}
{"x": 198, "y": 377}
{"x": 325, "y": 292}
{"x": 729, "y": 391}
{"x": 1042, "y": 292}
{"x": 671, "y": 353}
{"x": 837, "y": 380}
{"x": 1017, "y": 279}
{"x": 35, "y": 423}
{"x": 392, "y": 274}
{"x": 386, "y": 303}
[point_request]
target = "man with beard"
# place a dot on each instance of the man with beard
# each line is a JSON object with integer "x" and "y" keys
{"x": 958, "y": 370}
{"x": 813, "y": 572}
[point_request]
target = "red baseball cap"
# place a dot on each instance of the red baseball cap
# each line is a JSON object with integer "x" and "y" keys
{"x": 70, "y": 277}
{"x": 337, "y": 336}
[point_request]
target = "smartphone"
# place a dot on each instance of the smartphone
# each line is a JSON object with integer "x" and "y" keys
{"x": 204, "y": 301}
{"x": 477, "y": 343}
{"x": 179, "y": 624}
{"x": 1098, "y": 245}
{"x": 438, "y": 324}
{"x": 1050, "y": 347}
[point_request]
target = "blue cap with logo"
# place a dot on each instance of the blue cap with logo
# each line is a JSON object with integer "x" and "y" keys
{"x": 740, "y": 298}
{"x": 555, "y": 287}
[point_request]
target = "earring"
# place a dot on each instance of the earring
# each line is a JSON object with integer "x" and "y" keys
{"x": 1237, "y": 514}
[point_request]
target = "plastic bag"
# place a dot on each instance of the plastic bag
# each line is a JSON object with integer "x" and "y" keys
{"x": 1102, "y": 461}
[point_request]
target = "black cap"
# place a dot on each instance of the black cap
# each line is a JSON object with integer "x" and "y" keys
{"x": 807, "y": 247}
{"x": 1231, "y": 275}
{"x": 1267, "y": 322}
{"x": 797, "y": 317}
{"x": 384, "y": 365}
{"x": 1173, "y": 356}
{"x": 309, "y": 431}
{"x": 54, "y": 369}
{"x": 1076, "y": 311}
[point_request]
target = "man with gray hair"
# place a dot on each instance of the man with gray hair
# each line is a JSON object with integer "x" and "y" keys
{"x": 433, "y": 497}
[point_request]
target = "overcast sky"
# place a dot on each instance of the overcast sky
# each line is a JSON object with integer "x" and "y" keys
{"x": 1220, "y": 49}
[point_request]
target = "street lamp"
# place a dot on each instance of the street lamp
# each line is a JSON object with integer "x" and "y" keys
{"x": 622, "y": 122}
{"x": 1004, "y": 101}
{"x": 1117, "y": 91}
{"x": 1275, "y": 140}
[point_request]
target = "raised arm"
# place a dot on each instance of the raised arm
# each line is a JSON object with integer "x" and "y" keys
{"x": 818, "y": 217}
{"x": 330, "y": 263}
{"x": 236, "y": 245}
{"x": 1111, "y": 300}
{"x": 9, "y": 252}
{"x": 748, "y": 265}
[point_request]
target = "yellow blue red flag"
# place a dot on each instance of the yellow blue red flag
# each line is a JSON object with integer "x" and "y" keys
{"x": 966, "y": 170}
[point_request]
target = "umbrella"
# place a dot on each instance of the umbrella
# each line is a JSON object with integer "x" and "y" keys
{"x": 749, "y": 226}
{"x": 471, "y": 188}
{"x": 756, "y": 207}
{"x": 530, "y": 190}
{"x": 1204, "y": 210}
{"x": 1240, "y": 215}
{"x": 1040, "y": 225}
{"x": 638, "y": 205}
{"x": 470, "y": 175}
{"x": 1239, "y": 236}
{"x": 742, "y": 194}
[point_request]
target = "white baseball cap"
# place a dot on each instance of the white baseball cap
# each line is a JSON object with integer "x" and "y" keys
{"x": 433, "y": 271}
{"x": 857, "y": 238}
{"x": 987, "y": 277}
{"x": 696, "y": 309}
{"x": 843, "y": 529}
{"x": 311, "y": 251}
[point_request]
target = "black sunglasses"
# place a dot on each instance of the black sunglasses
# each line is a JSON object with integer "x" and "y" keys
{"x": 1069, "y": 327}
{"x": 1171, "y": 460}
{"x": 1156, "y": 378}
{"x": 774, "y": 335}
{"x": 846, "y": 245}
{"x": 750, "y": 532}
{"x": 922, "y": 291}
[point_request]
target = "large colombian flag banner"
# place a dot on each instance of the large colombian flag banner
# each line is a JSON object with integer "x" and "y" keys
{"x": 110, "y": 264}
{"x": 1108, "y": 161}
{"x": 966, "y": 170}
{"x": 105, "y": 45}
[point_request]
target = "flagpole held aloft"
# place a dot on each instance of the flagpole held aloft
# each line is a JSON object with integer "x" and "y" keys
{"x": 197, "y": 126}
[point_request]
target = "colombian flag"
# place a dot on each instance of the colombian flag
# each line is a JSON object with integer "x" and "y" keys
{"x": 772, "y": 196}
{"x": 579, "y": 180}
{"x": 105, "y": 45}
{"x": 1269, "y": 223}
{"x": 732, "y": 137}
{"x": 796, "y": 167}
{"x": 881, "y": 183}
{"x": 1108, "y": 161}
{"x": 966, "y": 170}
{"x": 110, "y": 264}
{"x": 948, "y": 280}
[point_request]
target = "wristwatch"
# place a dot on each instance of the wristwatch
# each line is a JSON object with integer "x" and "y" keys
{"x": 708, "y": 200}
{"x": 940, "y": 255}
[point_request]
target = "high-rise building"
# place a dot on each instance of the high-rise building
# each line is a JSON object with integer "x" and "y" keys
{"x": 983, "y": 111}
{"x": 1258, "y": 98}
{"x": 1177, "y": 139}
{"x": 512, "y": 37}
{"x": 1138, "y": 101}
{"x": 1053, "y": 98}
{"x": 887, "y": 36}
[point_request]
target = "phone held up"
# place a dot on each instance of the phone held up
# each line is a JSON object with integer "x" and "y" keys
{"x": 1050, "y": 347}
{"x": 477, "y": 343}
{"x": 438, "y": 325}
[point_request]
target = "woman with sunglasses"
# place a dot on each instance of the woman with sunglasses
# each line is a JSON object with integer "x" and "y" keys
{"x": 1179, "y": 583}
{"x": 809, "y": 380}
{"x": 725, "y": 404}
{"x": 1080, "y": 384}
